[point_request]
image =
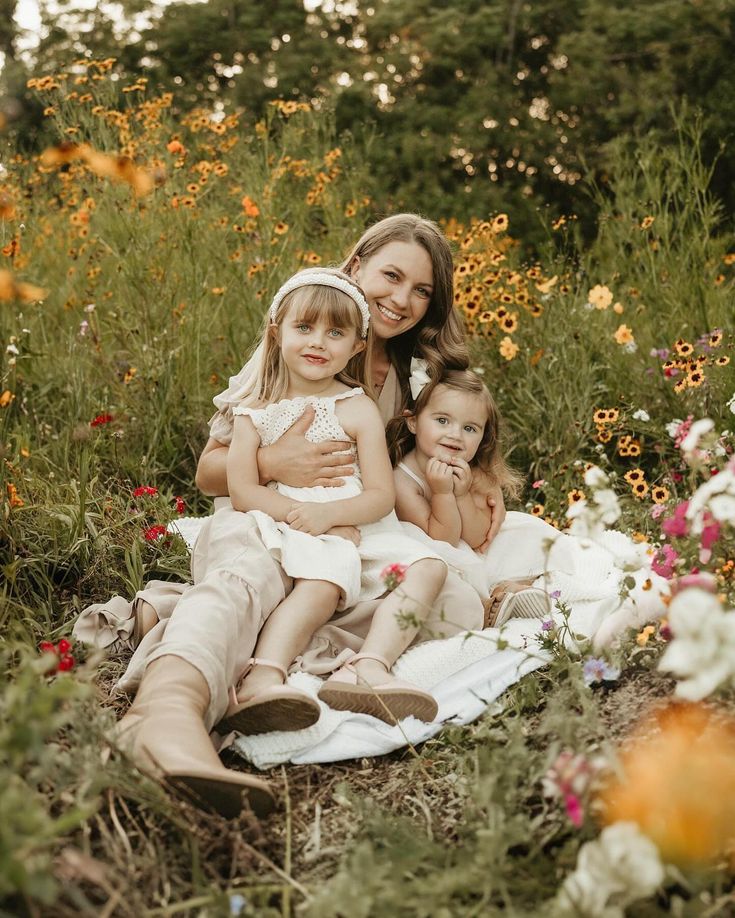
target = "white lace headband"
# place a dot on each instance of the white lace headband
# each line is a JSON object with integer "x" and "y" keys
{"x": 322, "y": 279}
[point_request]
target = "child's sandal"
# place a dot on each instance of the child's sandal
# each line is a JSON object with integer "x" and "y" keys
{"x": 530, "y": 602}
{"x": 390, "y": 702}
{"x": 280, "y": 707}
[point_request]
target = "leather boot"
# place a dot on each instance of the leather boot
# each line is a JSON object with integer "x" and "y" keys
{"x": 164, "y": 734}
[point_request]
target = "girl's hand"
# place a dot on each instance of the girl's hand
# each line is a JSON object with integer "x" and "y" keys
{"x": 300, "y": 463}
{"x": 439, "y": 476}
{"x": 310, "y": 517}
{"x": 462, "y": 477}
{"x": 351, "y": 533}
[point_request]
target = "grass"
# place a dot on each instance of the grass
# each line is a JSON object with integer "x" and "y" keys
{"x": 152, "y": 301}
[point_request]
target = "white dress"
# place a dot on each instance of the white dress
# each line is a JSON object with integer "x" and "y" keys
{"x": 355, "y": 569}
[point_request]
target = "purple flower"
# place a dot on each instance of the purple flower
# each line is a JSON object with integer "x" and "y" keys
{"x": 547, "y": 625}
{"x": 596, "y": 669}
{"x": 556, "y": 594}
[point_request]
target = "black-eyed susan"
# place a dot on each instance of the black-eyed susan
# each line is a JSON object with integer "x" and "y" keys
{"x": 538, "y": 510}
{"x": 659, "y": 494}
{"x": 350, "y": 210}
{"x": 192, "y": 187}
{"x": 487, "y": 316}
{"x": 575, "y": 495}
{"x": 280, "y": 228}
{"x": 683, "y": 348}
{"x": 715, "y": 339}
{"x": 639, "y": 489}
{"x": 499, "y": 224}
{"x": 680, "y": 386}
{"x": 509, "y": 323}
{"x": 722, "y": 361}
{"x": 634, "y": 476}
{"x": 604, "y": 435}
{"x": 646, "y": 222}
{"x": 220, "y": 169}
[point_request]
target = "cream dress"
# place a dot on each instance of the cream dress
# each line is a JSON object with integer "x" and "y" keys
{"x": 356, "y": 570}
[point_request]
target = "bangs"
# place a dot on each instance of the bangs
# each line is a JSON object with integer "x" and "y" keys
{"x": 328, "y": 304}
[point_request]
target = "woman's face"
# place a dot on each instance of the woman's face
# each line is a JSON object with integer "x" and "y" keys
{"x": 398, "y": 281}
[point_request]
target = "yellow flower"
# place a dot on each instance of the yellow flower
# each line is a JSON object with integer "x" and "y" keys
{"x": 500, "y": 223}
{"x": 6, "y": 398}
{"x": 537, "y": 510}
{"x": 646, "y": 222}
{"x": 218, "y": 291}
{"x": 634, "y": 476}
{"x": 575, "y": 495}
{"x": 508, "y": 348}
{"x": 600, "y": 296}
{"x": 130, "y": 375}
{"x": 642, "y": 637}
{"x": 623, "y": 335}
{"x": 280, "y": 228}
{"x": 618, "y": 308}
{"x": 350, "y": 210}
{"x": 683, "y": 348}
{"x": 13, "y": 498}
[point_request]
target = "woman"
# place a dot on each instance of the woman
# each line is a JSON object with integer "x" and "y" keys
{"x": 404, "y": 266}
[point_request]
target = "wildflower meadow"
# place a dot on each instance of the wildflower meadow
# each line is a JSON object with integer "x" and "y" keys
{"x": 138, "y": 255}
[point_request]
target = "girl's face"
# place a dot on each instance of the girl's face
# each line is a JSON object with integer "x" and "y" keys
{"x": 450, "y": 426}
{"x": 398, "y": 282}
{"x": 314, "y": 351}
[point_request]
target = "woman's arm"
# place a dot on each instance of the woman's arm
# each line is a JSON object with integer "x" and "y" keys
{"x": 360, "y": 419}
{"x": 291, "y": 459}
{"x": 438, "y": 516}
{"x": 246, "y": 492}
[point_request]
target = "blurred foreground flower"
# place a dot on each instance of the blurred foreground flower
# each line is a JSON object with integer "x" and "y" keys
{"x": 568, "y": 779}
{"x": 613, "y": 871}
{"x": 393, "y": 575}
{"x": 117, "y": 168}
{"x": 64, "y": 661}
{"x": 702, "y": 652}
{"x": 678, "y": 783}
{"x": 11, "y": 289}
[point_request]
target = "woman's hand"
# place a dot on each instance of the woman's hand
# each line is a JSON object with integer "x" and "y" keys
{"x": 462, "y": 477}
{"x": 496, "y": 506}
{"x": 439, "y": 476}
{"x": 298, "y": 462}
{"x": 312, "y": 518}
{"x": 351, "y": 533}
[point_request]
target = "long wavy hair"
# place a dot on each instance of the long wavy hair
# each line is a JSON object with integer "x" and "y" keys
{"x": 312, "y": 303}
{"x": 439, "y": 337}
{"x": 489, "y": 458}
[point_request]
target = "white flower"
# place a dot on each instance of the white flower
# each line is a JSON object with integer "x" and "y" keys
{"x": 609, "y": 507}
{"x": 594, "y": 477}
{"x": 672, "y": 428}
{"x": 613, "y": 871}
{"x": 90, "y": 307}
{"x": 630, "y": 347}
{"x": 702, "y": 652}
{"x": 641, "y": 415}
{"x": 731, "y": 403}
{"x": 691, "y": 441}
{"x": 712, "y": 492}
{"x": 12, "y": 349}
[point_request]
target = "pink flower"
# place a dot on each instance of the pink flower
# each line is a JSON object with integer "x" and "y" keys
{"x": 677, "y": 525}
{"x": 657, "y": 510}
{"x": 664, "y": 560}
{"x": 100, "y": 420}
{"x": 699, "y": 579}
{"x": 145, "y": 489}
{"x": 573, "y": 806}
{"x": 154, "y": 533}
{"x": 710, "y": 534}
{"x": 392, "y": 575}
{"x": 539, "y": 483}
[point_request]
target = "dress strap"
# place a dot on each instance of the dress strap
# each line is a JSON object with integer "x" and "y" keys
{"x": 349, "y": 393}
{"x": 411, "y": 474}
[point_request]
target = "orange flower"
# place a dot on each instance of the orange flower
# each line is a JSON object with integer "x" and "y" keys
{"x": 11, "y": 289}
{"x": 176, "y": 147}
{"x": 280, "y": 228}
{"x": 6, "y": 398}
{"x": 13, "y": 498}
{"x": 508, "y": 348}
{"x": 250, "y": 207}
{"x": 600, "y": 296}
{"x": 678, "y": 783}
{"x": 623, "y": 335}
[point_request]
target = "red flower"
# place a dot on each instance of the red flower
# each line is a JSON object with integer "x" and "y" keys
{"x": 64, "y": 660}
{"x": 47, "y": 647}
{"x": 179, "y": 505}
{"x": 154, "y": 533}
{"x": 63, "y": 646}
{"x": 66, "y": 663}
{"x": 100, "y": 420}
{"x": 145, "y": 489}
{"x": 393, "y": 574}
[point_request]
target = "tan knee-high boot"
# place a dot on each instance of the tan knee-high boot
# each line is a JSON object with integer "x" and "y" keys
{"x": 164, "y": 733}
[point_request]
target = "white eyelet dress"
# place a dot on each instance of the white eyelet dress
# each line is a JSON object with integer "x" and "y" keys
{"x": 355, "y": 569}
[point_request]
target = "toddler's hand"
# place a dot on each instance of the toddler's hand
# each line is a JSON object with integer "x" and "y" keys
{"x": 314, "y": 518}
{"x": 439, "y": 476}
{"x": 462, "y": 477}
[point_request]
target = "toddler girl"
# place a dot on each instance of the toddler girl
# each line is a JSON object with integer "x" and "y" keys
{"x": 313, "y": 354}
{"x": 447, "y": 458}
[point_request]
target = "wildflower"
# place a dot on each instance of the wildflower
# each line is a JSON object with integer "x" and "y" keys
{"x": 660, "y": 494}
{"x": 547, "y": 624}
{"x": 250, "y": 207}
{"x": 642, "y": 637}
{"x": 575, "y": 495}
{"x": 393, "y": 575}
{"x": 280, "y": 228}
{"x": 683, "y": 348}
{"x": 130, "y": 374}
{"x": 596, "y": 670}
{"x": 145, "y": 490}
{"x": 600, "y": 296}
{"x": 641, "y": 415}
{"x": 154, "y": 533}
{"x": 101, "y": 420}
{"x": 690, "y": 442}
{"x": 538, "y": 510}
{"x": 646, "y": 222}
{"x": 508, "y": 348}
{"x": 179, "y": 505}
{"x": 634, "y": 475}
{"x": 6, "y": 398}
{"x": 678, "y": 783}
{"x": 64, "y": 660}
{"x": 539, "y": 483}
{"x": 499, "y": 224}
{"x": 722, "y": 361}
{"x": 176, "y": 147}
{"x": 623, "y": 335}
{"x": 612, "y": 872}
{"x": 664, "y": 560}
{"x": 13, "y": 498}
{"x": 676, "y": 525}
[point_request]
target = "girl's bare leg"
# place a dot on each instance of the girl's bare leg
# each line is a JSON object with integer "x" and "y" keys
{"x": 287, "y": 632}
{"x": 388, "y": 635}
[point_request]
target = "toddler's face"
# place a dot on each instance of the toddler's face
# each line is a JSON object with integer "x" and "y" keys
{"x": 450, "y": 426}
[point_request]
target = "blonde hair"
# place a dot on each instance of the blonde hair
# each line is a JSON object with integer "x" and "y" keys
{"x": 439, "y": 337}
{"x": 312, "y": 302}
{"x": 489, "y": 457}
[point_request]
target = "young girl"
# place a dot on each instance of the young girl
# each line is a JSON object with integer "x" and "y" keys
{"x": 447, "y": 460}
{"x": 313, "y": 356}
